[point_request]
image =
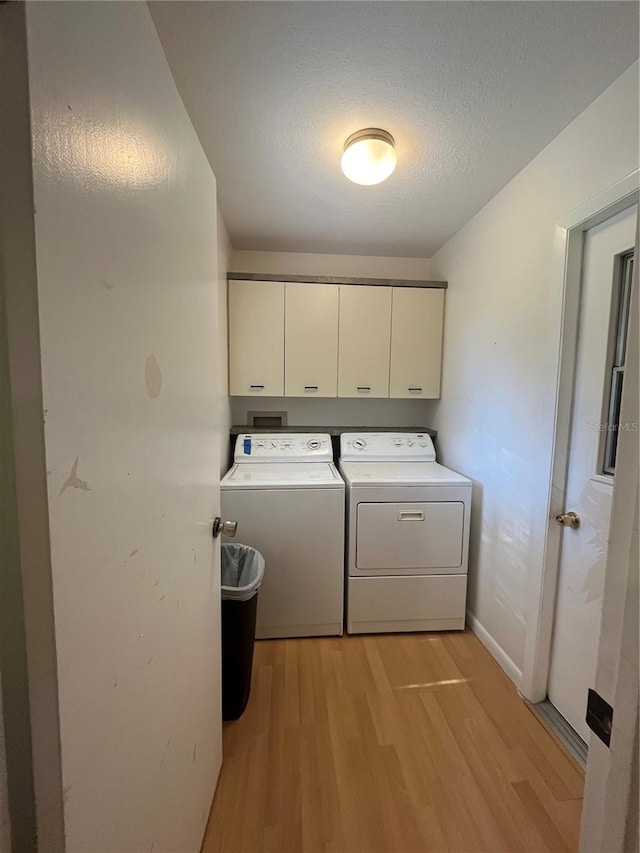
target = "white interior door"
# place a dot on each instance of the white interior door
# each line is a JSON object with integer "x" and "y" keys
{"x": 589, "y": 489}
{"x": 127, "y": 287}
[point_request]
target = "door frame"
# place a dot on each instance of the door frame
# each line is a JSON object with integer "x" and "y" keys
{"x": 610, "y": 809}
{"x": 566, "y": 275}
{"x": 28, "y": 662}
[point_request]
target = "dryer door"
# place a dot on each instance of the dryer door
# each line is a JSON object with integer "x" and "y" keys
{"x": 401, "y": 538}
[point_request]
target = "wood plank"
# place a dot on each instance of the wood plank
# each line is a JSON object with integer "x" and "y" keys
{"x": 390, "y": 744}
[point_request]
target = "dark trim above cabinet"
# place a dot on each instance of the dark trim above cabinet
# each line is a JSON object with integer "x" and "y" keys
{"x": 241, "y": 429}
{"x": 333, "y": 279}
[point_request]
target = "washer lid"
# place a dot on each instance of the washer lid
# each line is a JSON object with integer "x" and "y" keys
{"x": 286, "y": 475}
{"x": 400, "y": 474}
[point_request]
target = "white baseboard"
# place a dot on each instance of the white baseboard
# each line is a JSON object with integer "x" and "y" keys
{"x": 495, "y": 649}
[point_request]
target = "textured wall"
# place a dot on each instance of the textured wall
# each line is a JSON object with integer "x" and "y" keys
{"x": 470, "y": 91}
{"x": 336, "y": 412}
{"x": 297, "y": 263}
{"x": 495, "y": 419}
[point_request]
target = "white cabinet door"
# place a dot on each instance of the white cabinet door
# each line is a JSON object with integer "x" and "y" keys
{"x": 363, "y": 341}
{"x": 416, "y": 342}
{"x": 256, "y": 338}
{"x": 311, "y": 340}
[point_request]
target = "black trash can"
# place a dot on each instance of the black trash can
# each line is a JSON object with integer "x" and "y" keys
{"x": 242, "y": 573}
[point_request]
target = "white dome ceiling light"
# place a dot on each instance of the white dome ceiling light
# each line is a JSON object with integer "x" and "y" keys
{"x": 369, "y": 156}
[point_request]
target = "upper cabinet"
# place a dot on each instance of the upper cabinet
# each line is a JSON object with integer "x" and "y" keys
{"x": 256, "y": 338}
{"x": 311, "y": 340}
{"x": 416, "y": 342}
{"x": 363, "y": 341}
{"x": 299, "y": 339}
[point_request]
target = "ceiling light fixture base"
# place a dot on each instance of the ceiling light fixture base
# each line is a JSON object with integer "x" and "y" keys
{"x": 369, "y": 156}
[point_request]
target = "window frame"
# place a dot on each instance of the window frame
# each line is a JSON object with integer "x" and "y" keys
{"x": 619, "y": 333}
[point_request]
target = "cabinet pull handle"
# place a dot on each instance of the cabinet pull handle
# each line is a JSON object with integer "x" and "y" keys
{"x": 256, "y": 387}
{"x": 411, "y": 516}
{"x": 310, "y": 387}
{"x": 415, "y": 390}
{"x": 363, "y": 388}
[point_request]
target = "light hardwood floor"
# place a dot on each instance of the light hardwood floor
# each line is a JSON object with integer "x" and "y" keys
{"x": 395, "y": 743}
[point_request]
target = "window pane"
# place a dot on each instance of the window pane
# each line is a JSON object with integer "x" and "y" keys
{"x": 617, "y": 367}
{"x": 613, "y": 427}
{"x": 623, "y": 312}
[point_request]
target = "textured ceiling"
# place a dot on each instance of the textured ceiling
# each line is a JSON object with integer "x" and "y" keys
{"x": 470, "y": 91}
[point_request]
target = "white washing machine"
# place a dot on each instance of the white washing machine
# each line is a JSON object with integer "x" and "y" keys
{"x": 288, "y": 499}
{"x": 407, "y": 535}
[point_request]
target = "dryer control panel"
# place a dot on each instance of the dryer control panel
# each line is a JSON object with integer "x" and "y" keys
{"x": 387, "y": 447}
{"x": 283, "y": 447}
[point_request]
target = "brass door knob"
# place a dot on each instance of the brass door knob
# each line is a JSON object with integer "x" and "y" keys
{"x": 568, "y": 519}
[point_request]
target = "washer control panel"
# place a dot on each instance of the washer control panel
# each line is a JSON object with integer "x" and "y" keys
{"x": 283, "y": 447}
{"x": 387, "y": 447}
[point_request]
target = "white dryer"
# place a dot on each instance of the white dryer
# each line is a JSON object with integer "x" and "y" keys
{"x": 407, "y": 535}
{"x": 288, "y": 499}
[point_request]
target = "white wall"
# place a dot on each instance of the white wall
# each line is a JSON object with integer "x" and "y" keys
{"x": 126, "y": 226}
{"x": 298, "y": 263}
{"x": 334, "y": 412}
{"x": 495, "y": 419}
{"x": 224, "y": 401}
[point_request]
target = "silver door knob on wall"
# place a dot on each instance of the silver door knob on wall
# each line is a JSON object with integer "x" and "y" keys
{"x": 227, "y": 528}
{"x": 568, "y": 519}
